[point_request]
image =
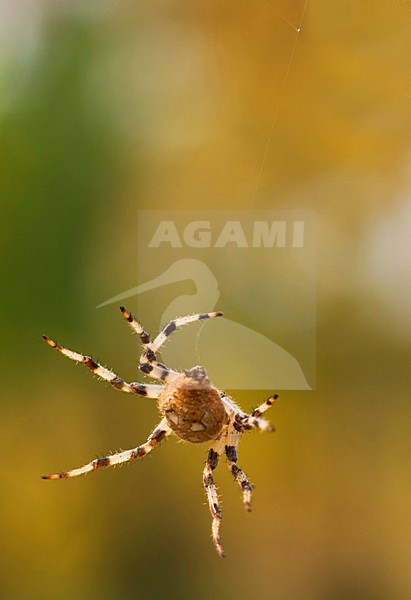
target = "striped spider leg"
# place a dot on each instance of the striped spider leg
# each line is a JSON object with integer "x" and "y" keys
{"x": 244, "y": 422}
{"x": 148, "y": 361}
{"x": 211, "y": 492}
{"x": 231, "y": 441}
{"x": 240, "y": 477}
{"x": 158, "y": 434}
{"x": 142, "y": 389}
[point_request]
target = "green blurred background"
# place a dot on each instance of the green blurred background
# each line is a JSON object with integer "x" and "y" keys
{"x": 109, "y": 107}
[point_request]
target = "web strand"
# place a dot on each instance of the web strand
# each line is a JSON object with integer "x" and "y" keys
{"x": 277, "y": 104}
{"x": 273, "y": 8}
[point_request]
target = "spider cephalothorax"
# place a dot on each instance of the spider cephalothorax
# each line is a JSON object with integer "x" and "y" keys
{"x": 191, "y": 408}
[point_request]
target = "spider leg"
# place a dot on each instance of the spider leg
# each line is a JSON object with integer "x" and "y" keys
{"x": 179, "y": 322}
{"x": 257, "y": 412}
{"x": 237, "y": 472}
{"x": 151, "y": 391}
{"x": 244, "y": 422}
{"x": 150, "y": 366}
{"x": 156, "y": 436}
{"x": 135, "y": 326}
{"x": 212, "y": 497}
{"x": 148, "y": 360}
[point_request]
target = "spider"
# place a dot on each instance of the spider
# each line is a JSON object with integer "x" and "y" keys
{"x": 191, "y": 408}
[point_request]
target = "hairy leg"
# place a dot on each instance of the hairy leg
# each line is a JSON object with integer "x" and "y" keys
{"x": 148, "y": 360}
{"x": 158, "y": 434}
{"x": 212, "y": 497}
{"x": 236, "y": 471}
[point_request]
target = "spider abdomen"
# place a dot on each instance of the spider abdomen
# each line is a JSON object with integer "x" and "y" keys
{"x": 193, "y": 407}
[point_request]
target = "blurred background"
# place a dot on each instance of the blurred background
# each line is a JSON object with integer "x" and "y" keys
{"x": 109, "y": 107}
